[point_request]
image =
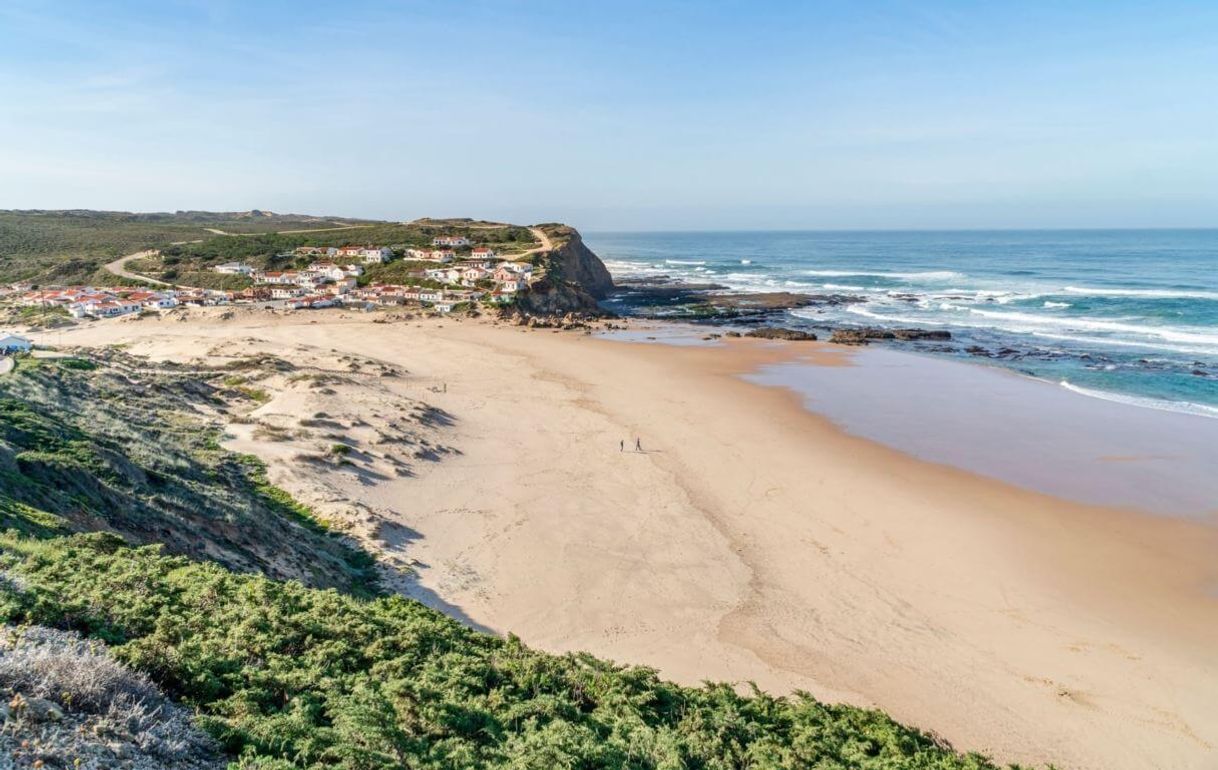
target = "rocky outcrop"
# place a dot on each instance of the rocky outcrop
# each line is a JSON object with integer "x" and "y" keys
{"x": 863, "y": 336}
{"x": 778, "y": 333}
{"x": 779, "y": 300}
{"x": 575, "y": 278}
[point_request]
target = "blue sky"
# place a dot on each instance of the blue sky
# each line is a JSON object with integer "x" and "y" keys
{"x": 619, "y": 115}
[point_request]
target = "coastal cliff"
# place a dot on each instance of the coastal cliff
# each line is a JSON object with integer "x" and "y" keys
{"x": 574, "y": 277}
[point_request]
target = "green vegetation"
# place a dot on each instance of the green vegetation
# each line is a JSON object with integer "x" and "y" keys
{"x": 290, "y": 677}
{"x": 112, "y": 442}
{"x": 399, "y": 272}
{"x": 72, "y": 246}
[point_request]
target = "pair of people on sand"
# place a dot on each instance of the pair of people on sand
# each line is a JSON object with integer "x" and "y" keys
{"x": 638, "y": 445}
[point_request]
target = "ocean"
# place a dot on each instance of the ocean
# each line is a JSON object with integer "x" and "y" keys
{"x": 1125, "y": 315}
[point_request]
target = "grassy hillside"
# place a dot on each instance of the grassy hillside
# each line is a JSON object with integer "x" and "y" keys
{"x": 263, "y": 250}
{"x": 71, "y": 246}
{"x": 120, "y": 444}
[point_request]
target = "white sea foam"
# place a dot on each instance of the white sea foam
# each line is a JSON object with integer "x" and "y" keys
{"x": 1056, "y": 305}
{"x": 684, "y": 262}
{"x": 929, "y": 275}
{"x": 1183, "y": 407}
{"x": 1147, "y": 293}
{"x": 746, "y": 261}
{"x": 1094, "y": 342}
{"x": 1169, "y": 333}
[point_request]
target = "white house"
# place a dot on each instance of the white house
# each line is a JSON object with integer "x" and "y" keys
{"x": 328, "y": 270}
{"x": 112, "y": 308}
{"x": 234, "y": 268}
{"x": 12, "y": 343}
{"x": 521, "y": 268}
{"x": 483, "y": 252}
{"x": 434, "y": 255}
{"x": 367, "y": 254}
{"x": 450, "y": 240}
{"x": 471, "y": 275}
{"x": 374, "y": 255}
{"x": 288, "y": 292}
{"x": 444, "y": 274}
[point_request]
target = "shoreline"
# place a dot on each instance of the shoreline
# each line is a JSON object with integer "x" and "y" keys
{"x": 757, "y": 540}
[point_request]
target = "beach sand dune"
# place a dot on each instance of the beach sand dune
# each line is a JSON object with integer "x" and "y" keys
{"x": 751, "y": 540}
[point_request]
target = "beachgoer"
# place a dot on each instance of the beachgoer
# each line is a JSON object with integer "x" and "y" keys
{"x": 621, "y": 446}
{"x": 638, "y": 445}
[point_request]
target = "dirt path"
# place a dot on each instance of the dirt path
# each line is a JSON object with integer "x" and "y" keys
{"x": 540, "y": 235}
{"x": 119, "y": 268}
{"x": 6, "y": 365}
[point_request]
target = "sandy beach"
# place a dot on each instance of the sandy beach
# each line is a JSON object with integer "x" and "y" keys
{"x": 750, "y": 540}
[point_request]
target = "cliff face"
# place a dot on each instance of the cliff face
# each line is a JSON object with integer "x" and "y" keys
{"x": 575, "y": 278}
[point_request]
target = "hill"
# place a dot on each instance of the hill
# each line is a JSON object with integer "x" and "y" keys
{"x": 70, "y": 246}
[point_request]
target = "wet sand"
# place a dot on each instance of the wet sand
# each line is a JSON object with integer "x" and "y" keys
{"x": 1026, "y": 432}
{"x": 755, "y": 540}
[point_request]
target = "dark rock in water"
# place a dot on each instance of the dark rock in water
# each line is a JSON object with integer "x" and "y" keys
{"x": 849, "y": 337}
{"x": 921, "y": 334}
{"x": 863, "y": 336}
{"x": 977, "y": 350}
{"x": 774, "y": 300}
{"x": 731, "y": 334}
{"x": 1200, "y": 373}
{"x": 664, "y": 283}
{"x": 777, "y": 333}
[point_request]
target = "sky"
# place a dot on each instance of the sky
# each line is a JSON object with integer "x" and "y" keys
{"x": 619, "y": 115}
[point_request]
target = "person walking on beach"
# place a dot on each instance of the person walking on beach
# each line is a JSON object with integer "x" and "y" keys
{"x": 621, "y": 445}
{"x": 638, "y": 445}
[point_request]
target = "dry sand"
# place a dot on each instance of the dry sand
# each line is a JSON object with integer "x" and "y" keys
{"x": 750, "y": 541}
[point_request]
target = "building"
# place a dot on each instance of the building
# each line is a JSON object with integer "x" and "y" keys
{"x": 12, "y": 343}
{"x": 112, "y": 308}
{"x": 455, "y": 241}
{"x": 444, "y": 274}
{"x": 281, "y": 277}
{"x": 153, "y": 300}
{"x": 329, "y": 270}
{"x": 315, "y": 251}
{"x": 366, "y": 254}
{"x": 520, "y": 268}
{"x": 434, "y": 255}
{"x": 288, "y": 292}
{"x": 471, "y": 275}
{"x": 483, "y": 252}
{"x": 311, "y": 302}
{"x": 234, "y": 268}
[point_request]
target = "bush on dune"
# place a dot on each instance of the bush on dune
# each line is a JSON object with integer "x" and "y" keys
{"x": 291, "y": 677}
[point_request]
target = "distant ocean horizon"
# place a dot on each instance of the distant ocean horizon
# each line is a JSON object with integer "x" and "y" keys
{"x": 1126, "y": 315}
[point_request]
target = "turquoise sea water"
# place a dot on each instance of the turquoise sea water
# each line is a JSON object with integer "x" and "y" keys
{"x": 1119, "y": 314}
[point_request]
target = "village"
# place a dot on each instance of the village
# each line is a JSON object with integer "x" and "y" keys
{"x": 450, "y": 275}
